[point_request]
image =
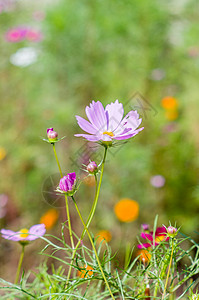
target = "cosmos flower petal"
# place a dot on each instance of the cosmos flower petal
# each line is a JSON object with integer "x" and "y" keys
{"x": 36, "y": 231}
{"x": 92, "y": 138}
{"x": 115, "y": 114}
{"x": 71, "y": 179}
{"x": 131, "y": 120}
{"x": 147, "y": 236}
{"x": 129, "y": 135}
{"x": 97, "y": 116}
{"x": 85, "y": 125}
{"x": 10, "y": 235}
{"x": 144, "y": 245}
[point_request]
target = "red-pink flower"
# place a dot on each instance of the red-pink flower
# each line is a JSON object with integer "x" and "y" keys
{"x": 16, "y": 35}
{"x": 33, "y": 35}
{"x": 160, "y": 235}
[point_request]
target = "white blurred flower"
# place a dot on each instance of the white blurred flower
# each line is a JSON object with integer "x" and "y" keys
{"x": 157, "y": 181}
{"x": 24, "y": 57}
{"x": 157, "y": 74}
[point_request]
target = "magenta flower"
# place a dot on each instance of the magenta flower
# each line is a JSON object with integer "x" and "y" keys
{"x": 19, "y": 34}
{"x": 160, "y": 235}
{"x": 15, "y": 35}
{"x": 67, "y": 184}
{"x": 108, "y": 124}
{"x": 24, "y": 235}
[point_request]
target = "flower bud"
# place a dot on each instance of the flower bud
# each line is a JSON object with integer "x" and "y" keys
{"x": 145, "y": 227}
{"x": 67, "y": 184}
{"x": 92, "y": 167}
{"x": 52, "y": 135}
{"x": 171, "y": 231}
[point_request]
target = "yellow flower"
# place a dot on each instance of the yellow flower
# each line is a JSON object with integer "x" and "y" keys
{"x": 103, "y": 235}
{"x": 2, "y": 153}
{"x": 126, "y": 210}
{"x": 169, "y": 103}
{"x": 171, "y": 115}
{"x": 86, "y": 272}
{"x": 49, "y": 218}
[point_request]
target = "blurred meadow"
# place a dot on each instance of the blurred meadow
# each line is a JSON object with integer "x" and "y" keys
{"x": 58, "y": 56}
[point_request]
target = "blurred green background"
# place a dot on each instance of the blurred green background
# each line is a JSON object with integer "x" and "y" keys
{"x": 136, "y": 51}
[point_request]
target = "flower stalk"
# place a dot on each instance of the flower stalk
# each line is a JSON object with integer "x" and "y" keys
{"x": 91, "y": 214}
{"x": 66, "y": 199}
{"x": 19, "y": 264}
{"x": 94, "y": 249}
{"x": 167, "y": 278}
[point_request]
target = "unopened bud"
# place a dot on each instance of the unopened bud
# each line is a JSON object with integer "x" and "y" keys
{"x": 52, "y": 135}
{"x": 145, "y": 227}
{"x": 172, "y": 231}
{"x": 92, "y": 167}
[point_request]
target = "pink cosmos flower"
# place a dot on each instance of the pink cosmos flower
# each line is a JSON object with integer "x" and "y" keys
{"x": 19, "y": 34}
{"x": 33, "y": 35}
{"x": 160, "y": 235}
{"x": 15, "y": 35}
{"x": 24, "y": 235}
{"x": 108, "y": 124}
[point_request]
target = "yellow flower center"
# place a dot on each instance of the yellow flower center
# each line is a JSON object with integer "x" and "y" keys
{"x": 108, "y": 133}
{"x": 23, "y": 233}
{"x": 160, "y": 238}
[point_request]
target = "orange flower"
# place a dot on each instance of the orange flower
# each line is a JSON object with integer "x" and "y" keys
{"x": 169, "y": 103}
{"x": 86, "y": 272}
{"x": 49, "y": 218}
{"x": 103, "y": 235}
{"x": 2, "y": 153}
{"x": 171, "y": 115}
{"x": 144, "y": 255}
{"x": 126, "y": 210}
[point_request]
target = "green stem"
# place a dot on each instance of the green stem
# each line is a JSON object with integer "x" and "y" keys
{"x": 95, "y": 251}
{"x": 60, "y": 171}
{"x": 91, "y": 214}
{"x": 19, "y": 265}
{"x": 66, "y": 199}
{"x": 165, "y": 287}
{"x": 69, "y": 222}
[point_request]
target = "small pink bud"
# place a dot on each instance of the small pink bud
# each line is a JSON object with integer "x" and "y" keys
{"x": 172, "y": 231}
{"x": 145, "y": 227}
{"x": 92, "y": 167}
{"x": 52, "y": 135}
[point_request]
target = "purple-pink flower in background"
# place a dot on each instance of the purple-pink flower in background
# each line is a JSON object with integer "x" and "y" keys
{"x": 67, "y": 184}
{"x": 16, "y": 34}
{"x": 160, "y": 235}
{"x": 24, "y": 235}
{"x": 33, "y": 35}
{"x": 157, "y": 181}
{"x": 108, "y": 124}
